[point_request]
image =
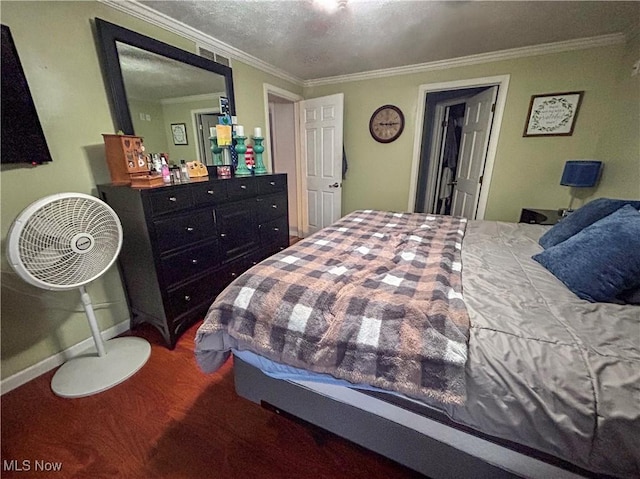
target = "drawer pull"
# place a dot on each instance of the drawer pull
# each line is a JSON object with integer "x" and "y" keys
{"x": 244, "y": 187}
{"x": 194, "y": 261}
{"x": 233, "y": 275}
{"x": 173, "y": 198}
{"x": 209, "y": 192}
{"x": 274, "y": 207}
{"x": 272, "y": 183}
{"x": 254, "y": 263}
{"x": 223, "y": 235}
{"x": 187, "y": 297}
{"x": 276, "y": 229}
{"x": 189, "y": 229}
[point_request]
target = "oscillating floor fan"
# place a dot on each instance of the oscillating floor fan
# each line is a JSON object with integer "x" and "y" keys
{"x": 62, "y": 242}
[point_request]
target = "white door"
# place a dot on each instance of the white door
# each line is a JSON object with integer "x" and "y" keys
{"x": 321, "y": 125}
{"x": 473, "y": 151}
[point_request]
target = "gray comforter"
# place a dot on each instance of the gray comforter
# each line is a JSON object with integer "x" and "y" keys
{"x": 547, "y": 369}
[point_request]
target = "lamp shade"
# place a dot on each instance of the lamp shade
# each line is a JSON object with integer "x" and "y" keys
{"x": 581, "y": 173}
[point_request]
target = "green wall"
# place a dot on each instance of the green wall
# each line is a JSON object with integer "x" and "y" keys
{"x": 55, "y": 41}
{"x": 152, "y": 131}
{"x": 619, "y": 143}
{"x": 526, "y": 170}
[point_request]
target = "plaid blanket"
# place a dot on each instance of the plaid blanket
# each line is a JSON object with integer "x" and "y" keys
{"x": 376, "y": 299}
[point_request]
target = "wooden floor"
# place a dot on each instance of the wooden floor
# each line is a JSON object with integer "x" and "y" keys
{"x": 169, "y": 420}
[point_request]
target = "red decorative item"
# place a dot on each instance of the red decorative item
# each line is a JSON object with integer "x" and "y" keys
{"x": 248, "y": 157}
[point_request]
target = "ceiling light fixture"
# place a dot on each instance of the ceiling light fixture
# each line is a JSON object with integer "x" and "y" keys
{"x": 330, "y": 6}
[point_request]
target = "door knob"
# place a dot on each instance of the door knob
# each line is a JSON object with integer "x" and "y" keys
{"x": 335, "y": 185}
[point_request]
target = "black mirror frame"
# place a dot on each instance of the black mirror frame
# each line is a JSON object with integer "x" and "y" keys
{"x": 109, "y": 34}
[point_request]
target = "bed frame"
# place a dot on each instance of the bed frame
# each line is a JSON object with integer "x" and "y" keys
{"x": 428, "y": 446}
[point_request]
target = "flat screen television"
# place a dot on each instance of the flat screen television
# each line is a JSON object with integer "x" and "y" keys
{"x": 23, "y": 140}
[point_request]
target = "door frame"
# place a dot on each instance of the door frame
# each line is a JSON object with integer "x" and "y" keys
{"x": 301, "y": 184}
{"x": 502, "y": 81}
{"x": 194, "y": 121}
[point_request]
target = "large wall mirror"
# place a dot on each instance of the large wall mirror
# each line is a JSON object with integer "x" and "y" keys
{"x": 166, "y": 95}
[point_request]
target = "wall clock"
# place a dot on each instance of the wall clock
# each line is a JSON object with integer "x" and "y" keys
{"x": 386, "y": 123}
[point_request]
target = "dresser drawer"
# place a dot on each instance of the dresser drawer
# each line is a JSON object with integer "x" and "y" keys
{"x": 236, "y": 225}
{"x": 209, "y": 193}
{"x": 275, "y": 232}
{"x": 183, "y": 230}
{"x": 272, "y": 206}
{"x": 271, "y": 184}
{"x": 192, "y": 295}
{"x": 181, "y": 266}
{"x": 238, "y": 188}
{"x": 169, "y": 199}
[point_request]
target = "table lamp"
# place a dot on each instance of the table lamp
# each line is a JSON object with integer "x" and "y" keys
{"x": 580, "y": 174}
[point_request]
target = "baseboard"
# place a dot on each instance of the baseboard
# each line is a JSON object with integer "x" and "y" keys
{"x": 56, "y": 360}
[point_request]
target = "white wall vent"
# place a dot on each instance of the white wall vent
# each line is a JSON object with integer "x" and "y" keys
{"x": 216, "y": 57}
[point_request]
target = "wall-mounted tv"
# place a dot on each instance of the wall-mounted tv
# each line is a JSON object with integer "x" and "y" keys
{"x": 22, "y": 138}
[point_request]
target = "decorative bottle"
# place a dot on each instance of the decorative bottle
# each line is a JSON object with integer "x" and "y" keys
{"x": 166, "y": 174}
{"x": 184, "y": 172}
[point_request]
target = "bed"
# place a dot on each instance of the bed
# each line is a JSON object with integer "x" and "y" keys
{"x": 439, "y": 343}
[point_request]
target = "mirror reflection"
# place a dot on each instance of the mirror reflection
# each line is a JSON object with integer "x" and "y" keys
{"x": 172, "y": 104}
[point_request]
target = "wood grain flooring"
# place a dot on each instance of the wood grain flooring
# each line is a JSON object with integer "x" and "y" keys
{"x": 169, "y": 420}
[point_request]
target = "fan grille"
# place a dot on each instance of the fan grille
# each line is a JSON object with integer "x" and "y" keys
{"x": 45, "y": 245}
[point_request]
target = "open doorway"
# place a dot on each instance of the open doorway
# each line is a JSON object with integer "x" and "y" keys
{"x": 282, "y": 147}
{"x": 442, "y": 136}
{"x": 203, "y": 120}
{"x": 310, "y": 150}
{"x": 454, "y": 151}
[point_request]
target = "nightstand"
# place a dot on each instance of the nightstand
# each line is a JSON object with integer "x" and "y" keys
{"x": 539, "y": 217}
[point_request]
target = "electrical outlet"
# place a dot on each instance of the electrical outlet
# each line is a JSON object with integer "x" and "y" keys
{"x": 147, "y": 117}
{"x": 635, "y": 69}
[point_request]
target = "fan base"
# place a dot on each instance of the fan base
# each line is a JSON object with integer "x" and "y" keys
{"x": 90, "y": 374}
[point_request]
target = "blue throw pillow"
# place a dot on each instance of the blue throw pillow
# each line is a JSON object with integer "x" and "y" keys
{"x": 601, "y": 261}
{"x": 581, "y": 218}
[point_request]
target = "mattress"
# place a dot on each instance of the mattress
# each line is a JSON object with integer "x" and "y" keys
{"x": 545, "y": 369}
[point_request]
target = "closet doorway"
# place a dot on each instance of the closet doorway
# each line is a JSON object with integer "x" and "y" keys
{"x": 456, "y": 138}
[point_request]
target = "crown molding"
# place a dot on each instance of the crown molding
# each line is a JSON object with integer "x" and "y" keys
{"x": 513, "y": 53}
{"x": 138, "y": 10}
{"x": 161, "y": 20}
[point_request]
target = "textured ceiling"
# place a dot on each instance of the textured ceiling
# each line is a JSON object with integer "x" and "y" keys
{"x": 151, "y": 77}
{"x": 308, "y": 42}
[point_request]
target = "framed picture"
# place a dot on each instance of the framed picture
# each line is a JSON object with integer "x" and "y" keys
{"x": 553, "y": 114}
{"x": 179, "y": 132}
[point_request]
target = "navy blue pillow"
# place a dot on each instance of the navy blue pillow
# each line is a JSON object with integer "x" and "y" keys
{"x": 601, "y": 261}
{"x": 581, "y": 218}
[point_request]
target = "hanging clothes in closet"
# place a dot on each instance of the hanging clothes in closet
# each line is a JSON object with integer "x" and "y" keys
{"x": 449, "y": 163}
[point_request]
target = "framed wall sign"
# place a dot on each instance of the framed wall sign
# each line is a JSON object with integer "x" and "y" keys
{"x": 553, "y": 114}
{"x": 179, "y": 132}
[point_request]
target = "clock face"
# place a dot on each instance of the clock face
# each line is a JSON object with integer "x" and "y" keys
{"x": 386, "y": 124}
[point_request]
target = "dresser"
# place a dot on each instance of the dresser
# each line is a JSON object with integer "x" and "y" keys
{"x": 183, "y": 244}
